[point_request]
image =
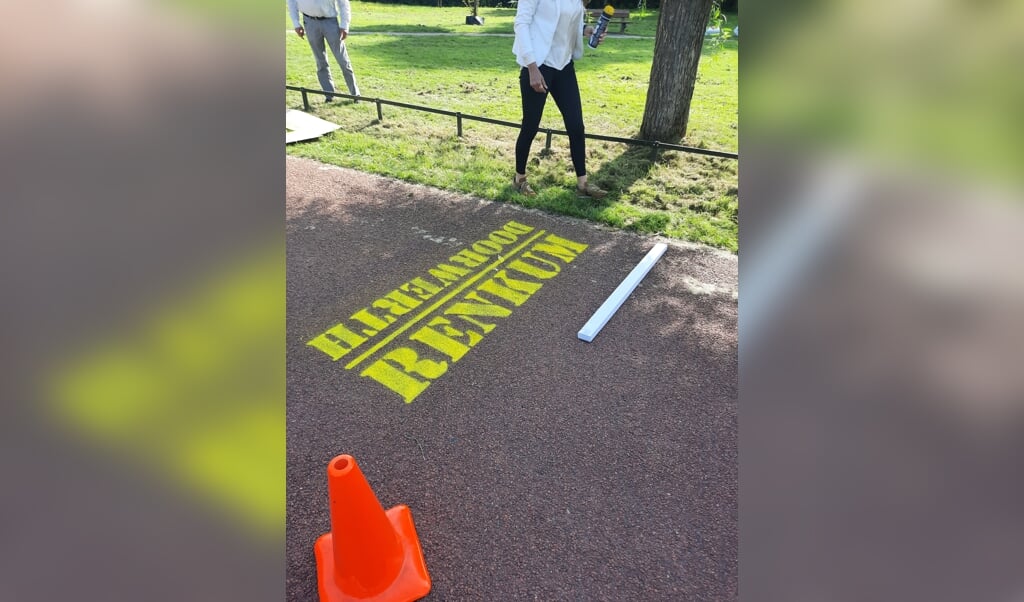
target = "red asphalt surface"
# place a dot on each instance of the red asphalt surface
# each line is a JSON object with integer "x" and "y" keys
{"x": 537, "y": 466}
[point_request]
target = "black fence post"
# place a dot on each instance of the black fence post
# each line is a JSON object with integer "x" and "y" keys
{"x": 547, "y": 141}
{"x": 380, "y": 114}
{"x": 305, "y": 100}
{"x": 458, "y": 121}
{"x": 654, "y": 150}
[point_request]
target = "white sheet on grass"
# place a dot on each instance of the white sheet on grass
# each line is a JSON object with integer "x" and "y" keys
{"x": 303, "y": 126}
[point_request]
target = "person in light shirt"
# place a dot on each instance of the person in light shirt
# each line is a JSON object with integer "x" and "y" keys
{"x": 549, "y": 37}
{"x": 320, "y": 26}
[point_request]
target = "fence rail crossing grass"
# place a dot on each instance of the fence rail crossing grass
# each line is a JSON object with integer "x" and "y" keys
{"x": 653, "y": 144}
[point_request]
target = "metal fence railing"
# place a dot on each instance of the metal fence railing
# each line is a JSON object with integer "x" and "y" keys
{"x": 460, "y": 117}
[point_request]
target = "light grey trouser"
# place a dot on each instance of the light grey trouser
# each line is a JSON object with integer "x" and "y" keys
{"x": 319, "y": 31}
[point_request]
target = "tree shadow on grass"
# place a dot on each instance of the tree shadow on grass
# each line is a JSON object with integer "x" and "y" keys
{"x": 672, "y": 188}
{"x": 634, "y": 163}
{"x": 403, "y": 28}
{"x": 472, "y": 55}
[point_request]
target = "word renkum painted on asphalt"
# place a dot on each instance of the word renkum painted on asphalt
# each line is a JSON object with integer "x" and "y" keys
{"x": 405, "y": 343}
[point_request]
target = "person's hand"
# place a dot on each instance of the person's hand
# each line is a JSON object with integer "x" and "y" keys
{"x": 589, "y": 31}
{"x": 302, "y": 32}
{"x": 344, "y": 34}
{"x": 536, "y": 79}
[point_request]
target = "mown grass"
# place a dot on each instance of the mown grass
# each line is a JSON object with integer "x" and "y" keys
{"x": 679, "y": 195}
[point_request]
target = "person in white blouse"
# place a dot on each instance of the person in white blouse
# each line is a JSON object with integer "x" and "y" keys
{"x": 321, "y": 28}
{"x": 549, "y": 37}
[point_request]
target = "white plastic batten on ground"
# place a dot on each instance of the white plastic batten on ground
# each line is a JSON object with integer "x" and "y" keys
{"x": 798, "y": 239}
{"x": 619, "y": 295}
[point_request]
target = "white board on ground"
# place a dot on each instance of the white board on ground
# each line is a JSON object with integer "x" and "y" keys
{"x": 303, "y": 126}
{"x": 619, "y": 295}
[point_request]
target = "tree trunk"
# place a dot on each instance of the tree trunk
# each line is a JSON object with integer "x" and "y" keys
{"x": 677, "y": 46}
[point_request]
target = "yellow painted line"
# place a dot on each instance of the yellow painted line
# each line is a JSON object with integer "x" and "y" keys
{"x": 443, "y": 300}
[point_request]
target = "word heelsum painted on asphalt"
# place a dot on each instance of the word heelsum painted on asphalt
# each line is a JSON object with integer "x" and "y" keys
{"x": 405, "y": 343}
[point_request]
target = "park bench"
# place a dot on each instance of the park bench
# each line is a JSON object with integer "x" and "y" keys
{"x": 621, "y": 17}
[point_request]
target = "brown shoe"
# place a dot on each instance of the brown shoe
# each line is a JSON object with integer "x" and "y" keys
{"x": 523, "y": 187}
{"x": 591, "y": 191}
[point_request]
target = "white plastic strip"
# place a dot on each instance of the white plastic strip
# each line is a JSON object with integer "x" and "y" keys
{"x": 794, "y": 243}
{"x": 619, "y": 295}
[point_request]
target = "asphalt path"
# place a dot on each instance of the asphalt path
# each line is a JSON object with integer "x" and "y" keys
{"x": 536, "y": 466}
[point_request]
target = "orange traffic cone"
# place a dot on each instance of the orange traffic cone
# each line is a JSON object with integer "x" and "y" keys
{"x": 369, "y": 555}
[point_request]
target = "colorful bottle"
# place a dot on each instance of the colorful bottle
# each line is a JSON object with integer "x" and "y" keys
{"x": 602, "y": 24}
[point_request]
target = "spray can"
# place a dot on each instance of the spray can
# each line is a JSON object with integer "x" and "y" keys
{"x": 602, "y": 24}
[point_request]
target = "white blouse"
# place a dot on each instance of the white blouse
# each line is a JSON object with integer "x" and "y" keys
{"x": 548, "y": 32}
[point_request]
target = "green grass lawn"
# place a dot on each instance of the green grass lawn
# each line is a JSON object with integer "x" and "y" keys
{"x": 680, "y": 195}
{"x": 376, "y": 17}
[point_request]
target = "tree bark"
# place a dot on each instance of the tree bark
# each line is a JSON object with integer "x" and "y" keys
{"x": 677, "y": 46}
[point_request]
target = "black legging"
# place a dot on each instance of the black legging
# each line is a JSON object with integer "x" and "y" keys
{"x": 566, "y": 91}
